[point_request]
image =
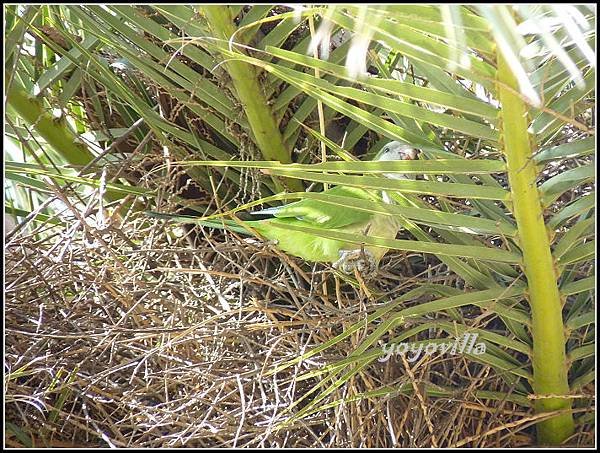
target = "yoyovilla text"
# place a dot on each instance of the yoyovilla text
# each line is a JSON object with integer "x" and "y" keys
{"x": 463, "y": 345}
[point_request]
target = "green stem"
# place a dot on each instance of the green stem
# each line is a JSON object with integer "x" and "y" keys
{"x": 244, "y": 77}
{"x": 55, "y": 131}
{"x": 549, "y": 358}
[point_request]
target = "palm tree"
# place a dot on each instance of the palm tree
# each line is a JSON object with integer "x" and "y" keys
{"x": 495, "y": 97}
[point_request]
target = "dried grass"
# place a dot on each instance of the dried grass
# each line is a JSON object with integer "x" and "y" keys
{"x": 141, "y": 335}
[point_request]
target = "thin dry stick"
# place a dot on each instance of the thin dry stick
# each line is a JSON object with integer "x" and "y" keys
{"x": 419, "y": 396}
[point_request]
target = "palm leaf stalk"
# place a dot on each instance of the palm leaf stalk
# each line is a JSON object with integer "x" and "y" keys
{"x": 244, "y": 78}
{"x": 547, "y": 328}
{"x": 54, "y": 130}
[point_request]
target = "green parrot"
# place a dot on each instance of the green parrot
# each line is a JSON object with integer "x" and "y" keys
{"x": 344, "y": 256}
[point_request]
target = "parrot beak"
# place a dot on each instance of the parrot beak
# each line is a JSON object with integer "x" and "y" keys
{"x": 411, "y": 155}
{"x": 397, "y": 151}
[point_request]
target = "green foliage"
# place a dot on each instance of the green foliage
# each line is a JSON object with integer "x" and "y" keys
{"x": 505, "y": 197}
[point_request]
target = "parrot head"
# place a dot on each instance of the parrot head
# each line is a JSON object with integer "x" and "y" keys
{"x": 397, "y": 151}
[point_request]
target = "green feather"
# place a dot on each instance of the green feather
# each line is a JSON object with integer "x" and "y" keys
{"x": 326, "y": 215}
{"x": 319, "y": 215}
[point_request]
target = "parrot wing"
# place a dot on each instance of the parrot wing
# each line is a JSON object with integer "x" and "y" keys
{"x": 308, "y": 213}
{"x": 298, "y": 243}
{"x": 319, "y": 214}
